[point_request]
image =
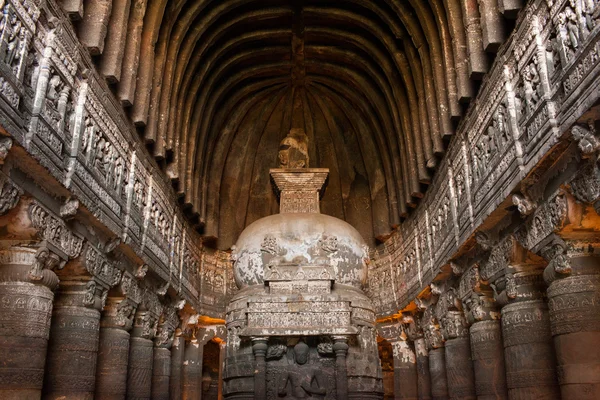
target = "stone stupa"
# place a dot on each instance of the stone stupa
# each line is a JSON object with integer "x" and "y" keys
{"x": 301, "y": 325}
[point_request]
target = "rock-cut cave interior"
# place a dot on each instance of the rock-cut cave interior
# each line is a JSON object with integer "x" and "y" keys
{"x": 299, "y": 199}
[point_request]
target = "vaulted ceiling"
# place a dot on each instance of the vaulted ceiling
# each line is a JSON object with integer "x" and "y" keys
{"x": 214, "y": 86}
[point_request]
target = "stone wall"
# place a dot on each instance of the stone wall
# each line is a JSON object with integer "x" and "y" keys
{"x": 545, "y": 78}
{"x": 55, "y": 105}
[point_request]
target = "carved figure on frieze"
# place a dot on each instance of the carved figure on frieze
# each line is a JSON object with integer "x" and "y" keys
{"x": 69, "y": 208}
{"x": 13, "y": 26}
{"x": 572, "y": 27}
{"x": 454, "y": 325}
{"x": 303, "y": 379}
{"x": 431, "y": 329}
{"x": 130, "y": 288}
{"x": 55, "y": 231}
{"x": 329, "y": 244}
{"x": 586, "y": 139}
{"x": 141, "y": 271}
{"x": 586, "y": 185}
{"x": 89, "y": 297}
{"x": 479, "y": 308}
{"x": 125, "y": 313}
{"x": 32, "y": 69}
{"x": 531, "y": 85}
{"x": 325, "y": 346}
{"x": 524, "y": 205}
{"x": 9, "y": 196}
{"x": 559, "y": 263}
{"x": 590, "y": 10}
{"x": 44, "y": 260}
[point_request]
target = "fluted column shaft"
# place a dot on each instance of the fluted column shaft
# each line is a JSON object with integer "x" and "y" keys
{"x": 25, "y": 312}
{"x": 74, "y": 338}
{"x": 405, "y": 370}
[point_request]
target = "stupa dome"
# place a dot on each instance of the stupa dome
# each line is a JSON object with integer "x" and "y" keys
{"x": 300, "y": 239}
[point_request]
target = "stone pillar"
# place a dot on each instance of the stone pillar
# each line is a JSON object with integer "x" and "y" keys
{"x": 259, "y": 348}
{"x": 192, "y": 370}
{"x": 405, "y": 370}
{"x": 459, "y": 368}
{"x": 25, "y": 312}
{"x": 573, "y": 277}
{"x": 340, "y": 347}
{"x": 485, "y": 334}
{"x": 175, "y": 381}
{"x": 423, "y": 374}
{"x": 141, "y": 355}
{"x": 74, "y": 338}
{"x": 161, "y": 371}
{"x": 437, "y": 371}
{"x": 415, "y": 334}
{"x": 516, "y": 275}
{"x": 113, "y": 353}
{"x": 530, "y": 363}
{"x": 437, "y": 356}
{"x": 487, "y": 352}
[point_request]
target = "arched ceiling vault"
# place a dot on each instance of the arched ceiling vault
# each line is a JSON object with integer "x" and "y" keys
{"x": 214, "y": 86}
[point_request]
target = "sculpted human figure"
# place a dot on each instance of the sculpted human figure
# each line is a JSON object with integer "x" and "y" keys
{"x": 305, "y": 380}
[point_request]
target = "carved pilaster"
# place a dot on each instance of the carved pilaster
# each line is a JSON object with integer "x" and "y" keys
{"x": 192, "y": 370}
{"x": 340, "y": 348}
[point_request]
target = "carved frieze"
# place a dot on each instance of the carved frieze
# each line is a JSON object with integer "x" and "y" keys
{"x": 103, "y": 270}
{"x": 55, "y": 231}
